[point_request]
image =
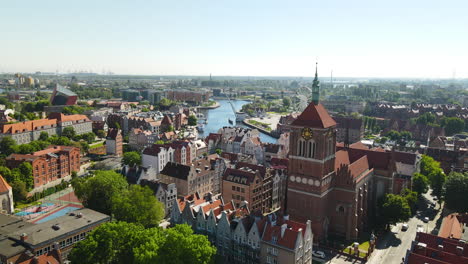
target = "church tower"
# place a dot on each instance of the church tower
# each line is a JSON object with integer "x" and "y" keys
{"x": 311, "y": 163}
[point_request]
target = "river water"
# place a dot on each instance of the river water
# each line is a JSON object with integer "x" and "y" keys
{"x": 218, "y": 118}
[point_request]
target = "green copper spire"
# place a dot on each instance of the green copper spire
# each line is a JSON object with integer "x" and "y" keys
{"x": 316, "y": 87}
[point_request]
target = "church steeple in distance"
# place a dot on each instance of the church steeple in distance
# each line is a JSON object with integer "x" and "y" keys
{"x": 316, "y": 87}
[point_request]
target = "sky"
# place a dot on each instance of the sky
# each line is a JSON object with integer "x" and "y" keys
{"x": 372, "y": 38}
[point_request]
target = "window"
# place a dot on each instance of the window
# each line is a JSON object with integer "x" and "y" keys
{"x": 233, "y": 188}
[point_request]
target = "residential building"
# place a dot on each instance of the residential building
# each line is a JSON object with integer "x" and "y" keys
{"x": 244, "y": 237}
{"x": 455, "y": 226}
{"x": 260, "y": 187}
{"x": 188, "y": 96}
{"x": 165, "y": 193}
{"x": 353, "y": 127}
{"x": 27, "y": 131}
{"x": 114, "y": 142}
{"x": 202, "y": 176}
{"x": 272, "y": 151}
{"x": 138, "y": 139}
{"x": 286, "y": 242}
{"x": 50, "y": 164}
{"x": 213, "y": 141}
{"x": 157, "y": 156}
{"x": 6, "y": 197}
{"x": 128, "y": 121}
{"x": 428, "y": 248}
{"x": 135, "y": 174}
{"x": 20, "y": 239}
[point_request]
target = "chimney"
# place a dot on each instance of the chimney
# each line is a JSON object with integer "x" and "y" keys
{"x": 459, "y": 251}
{"x": 23, "y": 237}
{"x": 283, "y": 228}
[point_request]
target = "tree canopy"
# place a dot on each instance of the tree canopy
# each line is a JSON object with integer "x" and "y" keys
{"x": 192, "y": 120}
{"x": 149, "y": 210}
{"x": 97, "y": 192}
{"x": 131, "y": 158}
{"x": 455, "y": 192}
{"x": 420, "y": 183}
{"x": 394, "y": 209}
{"x": 121, "y": 242}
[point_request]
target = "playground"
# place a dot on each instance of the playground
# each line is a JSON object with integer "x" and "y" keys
{"x": 52, "y": 206}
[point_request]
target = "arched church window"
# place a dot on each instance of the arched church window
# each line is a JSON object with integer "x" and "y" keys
{"x": 304, "y": 148}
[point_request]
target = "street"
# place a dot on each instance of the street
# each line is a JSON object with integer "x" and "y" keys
{"x": 393, "y": 247}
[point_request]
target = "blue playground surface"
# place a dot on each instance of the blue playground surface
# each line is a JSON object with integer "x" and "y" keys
{"x": 59, "y": 213}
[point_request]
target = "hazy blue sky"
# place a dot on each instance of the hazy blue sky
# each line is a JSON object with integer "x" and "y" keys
{"x": 397, "y": 38}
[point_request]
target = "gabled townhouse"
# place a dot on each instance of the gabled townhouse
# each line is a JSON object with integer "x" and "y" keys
{"x": 244, "y": 237}
{"x": 157, "y": 156}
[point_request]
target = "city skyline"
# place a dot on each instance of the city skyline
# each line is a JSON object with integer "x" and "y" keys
{"x": 364, "y": 39}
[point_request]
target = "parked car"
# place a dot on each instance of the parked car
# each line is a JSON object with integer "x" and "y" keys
{"x": 404, "y": 227}
{"x": 426, "y": 219}
{"x": 318, "y": 254}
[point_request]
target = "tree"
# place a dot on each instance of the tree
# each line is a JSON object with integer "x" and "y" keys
{"x": 170, "y": 128}
{"x": 287, "y": 102}
{"x": 20, "y": 193}
{"x": 8, "y": 145}
{"x": 453, "y": 125}
{"x": 428, "y": 165}
{"x": 455, "y": 192}
{"x": 393, "y": 135}
{"x": 159, "y": 142}
{"x": 138, "y": 205}
{"x": 6, "y": 173}
{"x": 43, "y": 136}
{"x": 394, "y": 209}
{"x": 121, "y": 242}
{"x": 68, "y": 132}
{"x": 111, "y": 242}
{"x": 406, "y": 135}
{"x": 97, "y": 192}
{"x": 411, "y": 198}
{"x": 101, "y": 133}
{"x": 26, "y": 176}
{"x": 219, "y": 151}
{"x": 131, "y": 158}
{"x": 420, "y": 183}
{"x": 437, "y": 179}
{"x": 192, "y": 120}
{"x": 182, "y": 246}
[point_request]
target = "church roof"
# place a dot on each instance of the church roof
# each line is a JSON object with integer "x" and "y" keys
{"x": 315, "y": 116}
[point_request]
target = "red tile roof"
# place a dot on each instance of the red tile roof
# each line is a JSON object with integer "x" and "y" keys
{"x": 315, "y": 116}
{"x": 341, "y": 157}
{"x": 451, "y": 227}
{"x": 288, "y": 239}
{"x": 4, "y": 186}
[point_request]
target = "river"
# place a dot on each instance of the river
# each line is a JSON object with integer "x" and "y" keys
{"x": 218, "y": 118}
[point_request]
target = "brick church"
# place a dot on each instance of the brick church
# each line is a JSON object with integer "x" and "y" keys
{"x": 333, "y": 186}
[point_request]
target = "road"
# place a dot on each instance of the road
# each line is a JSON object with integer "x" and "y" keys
{"x": 394, "y": 245}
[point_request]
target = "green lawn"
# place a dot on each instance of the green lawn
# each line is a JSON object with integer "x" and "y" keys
{"x": 97, "y": 145}
{"x": 260, "y": 124}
